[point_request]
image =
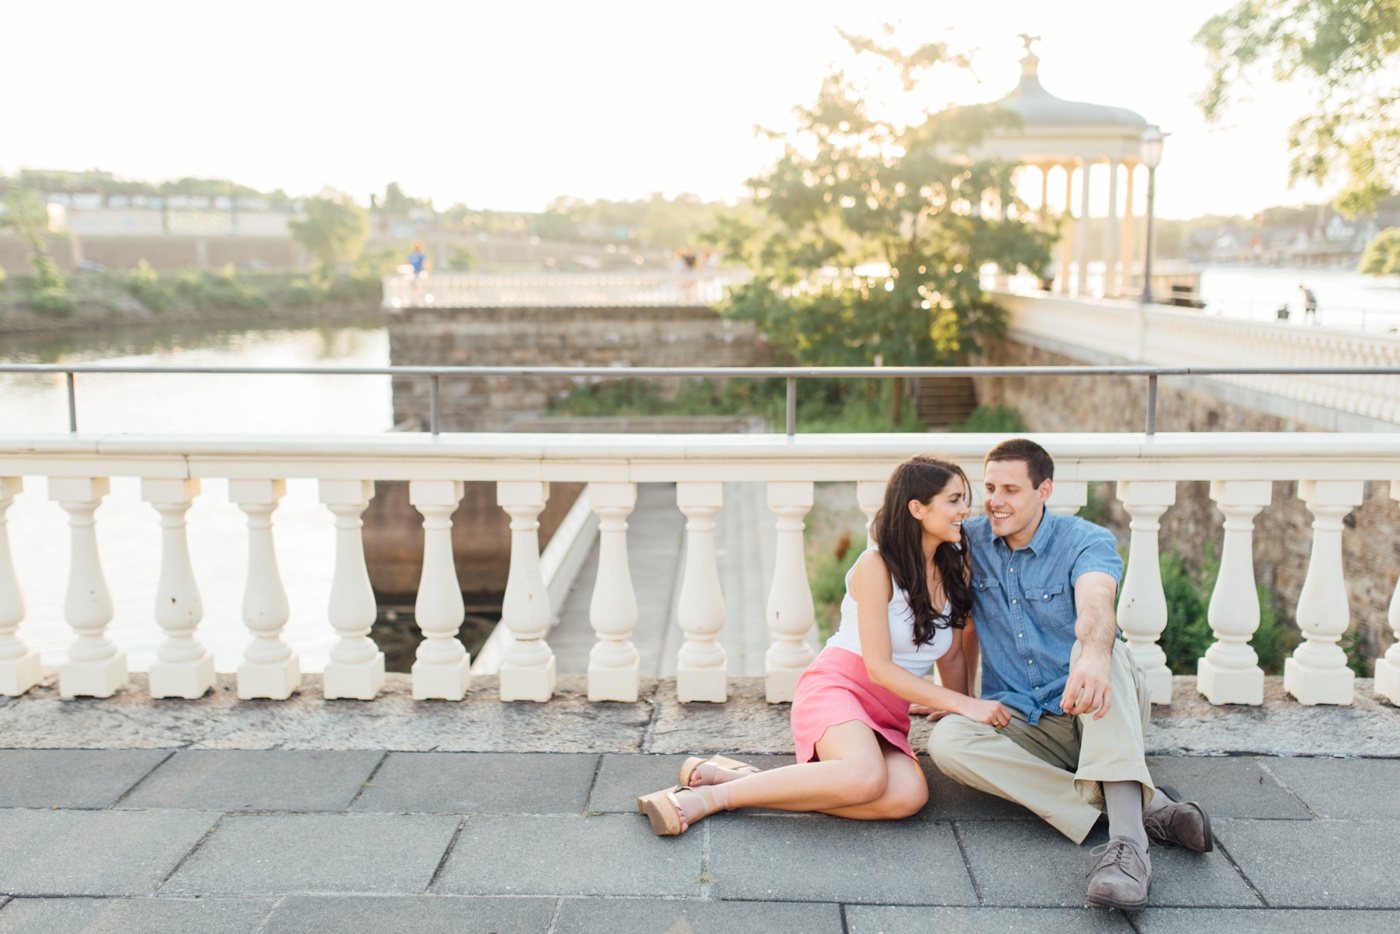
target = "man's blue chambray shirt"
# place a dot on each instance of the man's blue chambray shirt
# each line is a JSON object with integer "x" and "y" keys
{"x": 1023, "y": 605}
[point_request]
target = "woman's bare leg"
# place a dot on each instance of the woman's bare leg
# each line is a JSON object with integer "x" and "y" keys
{"x": 906, "y": 791}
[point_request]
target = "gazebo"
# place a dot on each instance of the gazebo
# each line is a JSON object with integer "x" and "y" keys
{"x": 1069, "y": 136}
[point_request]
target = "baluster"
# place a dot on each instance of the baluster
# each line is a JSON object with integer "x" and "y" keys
{"x": 613, "y": 666}
{"x": 702, "y": 665}
{"x": 19, "y": 664}
{"x": 95, "y": 666}
{"x": 1142, "y": 609}
{"x": 870, "y": 496}
{"x": 1387, "y": 666}
{"x": 1068, "y": 497}
{"x": 355, "y": 669}
{"x": 183, "y": 666}
{"x": 1318, "y": 673}
{"x": 442, "y": 669}
{"x": 1229, "y": 672}
{"x": 791, "y": 614}
{"x": 527, "y": 668}
{"x": 270, "y": 669}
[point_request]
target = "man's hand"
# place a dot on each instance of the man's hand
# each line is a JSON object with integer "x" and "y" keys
{"x": 1087, "y": 690}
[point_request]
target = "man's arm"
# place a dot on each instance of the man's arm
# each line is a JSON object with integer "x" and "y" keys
{"x": 1087, "y": 690}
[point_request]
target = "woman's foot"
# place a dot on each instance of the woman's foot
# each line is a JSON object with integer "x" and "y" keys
{"x": 716, "y": 770}
{"x": 675, "y": 810}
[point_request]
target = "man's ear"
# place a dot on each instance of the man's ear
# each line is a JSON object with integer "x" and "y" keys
{"x": 1043, "y": 491}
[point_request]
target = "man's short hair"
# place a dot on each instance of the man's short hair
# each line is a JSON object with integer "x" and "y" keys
{"x": 1039, "y": 464}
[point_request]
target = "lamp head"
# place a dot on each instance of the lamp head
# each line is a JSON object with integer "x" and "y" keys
{"x": 1151, "y": 146}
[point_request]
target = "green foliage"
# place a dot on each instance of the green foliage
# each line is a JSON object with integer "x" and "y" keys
{"x": 378, "y": 263}
{"x": 827, "y": 577}
{"x": 1095, "y": 508}
{"x": 333, "y": 229}
{"x": 147, "y": 287}
{"x": 1382, "y": 256}
{"x": 1343, "y": 53}
{"x": 1358, "y": 658}
{"x": 355, "y": 288}
{"x": 220, "y": 289}
{"x": 51, "y": 300}
{"x": 993, "y": 419}
{"x": 304, "y": 293}
{"x": 463, "y": 258}
{"x": 28, "y": 217}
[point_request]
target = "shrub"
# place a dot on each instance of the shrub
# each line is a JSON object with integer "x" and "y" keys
{"x": 146, "y": 286}
{"x": 303, "y": 293}
{"x": 355, "y": 288}
{"x": 51, "y": 300}
{"x": 992, "y": 419}
{"x": 828, "y": 582}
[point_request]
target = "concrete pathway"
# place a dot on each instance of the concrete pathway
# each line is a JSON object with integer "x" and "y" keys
{"x": 220, "y": 815}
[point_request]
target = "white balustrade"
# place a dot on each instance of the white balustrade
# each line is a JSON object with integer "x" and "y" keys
{"x": 19, "y": 664}
{"x": 270, "y": 668}
{"x": 701, "y": 663}
{"x": 183, "y": 666}
{"x": 95, "y": 666}
{"x": 1229, "y": 673}
{"x": 555, "y": 290}
{"x": 870, "y": 496}
{"x": 614, "y": 668}
{"x": 1142, "y": 608}
{"x": 1318, "y": 673}
{"x": 1067, "y": 497}
{"x": 355, "y": 669}
{"x": 527, "y": 670}
{"x": 442, "y": 668}
{"x": 1387, "y": 666}
{"x": 791, "y": 614}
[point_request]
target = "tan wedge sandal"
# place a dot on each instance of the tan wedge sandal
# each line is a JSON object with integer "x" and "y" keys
{"x": 665, "y": 809}
{"x": 706, "y": 768}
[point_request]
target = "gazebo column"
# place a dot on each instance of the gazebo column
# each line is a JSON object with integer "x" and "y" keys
{"x": 1070, "y": 230}
{"x": 1081, "y": 234}
{"x": 1110, "y": 232}
{"x": 1129, "y": 229}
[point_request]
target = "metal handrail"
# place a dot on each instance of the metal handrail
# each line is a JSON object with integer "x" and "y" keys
{"x": 791, "y": 373}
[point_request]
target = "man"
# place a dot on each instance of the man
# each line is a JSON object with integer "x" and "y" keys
{"x": 1042, "y": 598}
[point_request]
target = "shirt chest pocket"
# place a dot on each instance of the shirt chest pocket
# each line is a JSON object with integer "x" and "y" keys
{"x": 1053, "y": 605}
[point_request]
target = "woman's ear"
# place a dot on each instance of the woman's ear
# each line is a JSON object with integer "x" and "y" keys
{"x": 916, "y": 509}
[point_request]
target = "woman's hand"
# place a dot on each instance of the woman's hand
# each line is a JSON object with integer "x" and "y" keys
{"x": 989, "y": 712}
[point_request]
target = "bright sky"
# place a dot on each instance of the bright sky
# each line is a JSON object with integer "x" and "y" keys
{"x": 506, "y": 105}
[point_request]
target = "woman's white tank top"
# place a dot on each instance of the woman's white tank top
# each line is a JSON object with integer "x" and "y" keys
{"x": 915, "y": 659}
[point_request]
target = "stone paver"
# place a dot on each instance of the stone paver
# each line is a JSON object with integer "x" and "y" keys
{"x": 819, "y": 858}
{"x": 462, "y": 783}
{"x": 128, "y": 915}
{"x": 1319, "y": 863}
{"x": 1229, "y": 786}
{"x": 610, "y": 854}
{"x": 254, "y": 854}
{"x": 1028, "y": 863}
{"x": 674, "y": 916}
{"x": 419, "y": 914}
{"x": 1339, "y": 787}
{"x": 1263, "y": 921}
{"x": 622, "y": 779}
{"x": 72, "y": 778}
{"x": 904, "y": 919}
{"x": 256, "y": 780}
{"x": 93, "y": 852}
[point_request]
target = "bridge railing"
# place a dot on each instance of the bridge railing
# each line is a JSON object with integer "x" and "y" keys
{"x": 1330, "y": 470}
{"x": 556, "y": 290}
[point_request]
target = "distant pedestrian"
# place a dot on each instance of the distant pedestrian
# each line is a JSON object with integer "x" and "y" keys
{"x": 1309, "y": 304}
{"x": 417, "y": 259}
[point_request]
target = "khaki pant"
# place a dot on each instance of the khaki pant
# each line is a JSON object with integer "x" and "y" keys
{"x": 1055, "y": 767}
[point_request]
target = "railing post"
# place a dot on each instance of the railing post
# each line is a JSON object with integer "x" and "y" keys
{"x": 435, "y": 405}
{"x": 355, "y": 669}
{"x": 1142, "y": 609}
{"x": 791, "y": 406}
{"x": 1388, "y": 665}
{"x": 614, "y": 672}
{"x": 183, "y": 666}
{"x": 701, "y": 664}
{"x": 19, "y": 664}
{"x": 1317, "y": 673}
{"x": 95, "y": 666}
{"x": 270, "y": 668}
{"x": 527, "y": 671}
{"x": 442, "y": 670}
{"x": 1152, "y": 405}
{"x": 1229, "y": 672}
{"x": 791, "y": 614}
{"x": 72, "y": 404}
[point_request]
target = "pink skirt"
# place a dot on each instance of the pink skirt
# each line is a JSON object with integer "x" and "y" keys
{"x": 836, "y": 689}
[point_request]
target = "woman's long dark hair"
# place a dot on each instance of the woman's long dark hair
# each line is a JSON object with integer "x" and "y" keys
{"x": 900, "y": 537}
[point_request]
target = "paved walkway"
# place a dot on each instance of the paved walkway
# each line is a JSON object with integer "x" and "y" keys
{"x": 219, "y": 815}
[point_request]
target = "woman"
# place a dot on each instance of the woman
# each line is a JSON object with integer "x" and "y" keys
{"x": 850, "y": 716}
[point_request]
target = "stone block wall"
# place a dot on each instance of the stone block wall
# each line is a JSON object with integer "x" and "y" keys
{"x": 1282, "y": 532}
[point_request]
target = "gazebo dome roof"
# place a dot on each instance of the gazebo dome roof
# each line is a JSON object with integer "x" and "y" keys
{"x": 1042, "y": 110}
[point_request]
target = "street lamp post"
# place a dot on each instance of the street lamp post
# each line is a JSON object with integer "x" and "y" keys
{"x": 1151, "y": 151}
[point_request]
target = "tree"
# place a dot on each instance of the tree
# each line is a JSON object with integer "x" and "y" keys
{"x": 1344, "y": 52}
{"x": 853, "y": 189}
{"x": 1382, "y": 256}
{"x": 28, "y": 216}
{"x": 333, "y": 229}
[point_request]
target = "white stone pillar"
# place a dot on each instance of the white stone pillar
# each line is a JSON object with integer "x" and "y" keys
{"x": 870, "y": 496}
{"x": 1129, "y": 228}
{"x": 1068, "y": 497}
{"x": 791, "y": 614}
{"x": 614, "y": 672}
{"x": 183, "y": 666}
{"x": 1387, "y": 666}
{"x": 19, "y": 664}
{"x": 1081, "y": 237}
{"x": 95, "y": 666}
{"x": 355, "y": 670}
{"x": 1142, "y": 609}
{"x": 1110, "y": 250}
{"x": 1318, "y": 673}
{"x": 270, "y": 668}
{"x": 1044, "y": 210}
{"x": 702, "y": 664}
{"x": 527, "y": 670}
{"x": 442, "y": 669}
{"x": 1068, "y": 231}
{"x": 1229, "y": 672}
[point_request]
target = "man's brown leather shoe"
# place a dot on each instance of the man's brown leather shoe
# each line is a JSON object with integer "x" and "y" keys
{"x": 1122, "y": 876}
{"x": 1182, "y": 824}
